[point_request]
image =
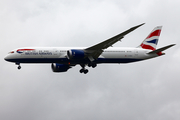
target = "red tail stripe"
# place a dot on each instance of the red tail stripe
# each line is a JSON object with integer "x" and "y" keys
{"x": 150, "y": 48}
{"x": 147, "y": 47}
{"x": 155, "y": 33}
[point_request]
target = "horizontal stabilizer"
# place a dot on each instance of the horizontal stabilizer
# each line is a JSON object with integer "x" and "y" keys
{"x": 161, "y": 49}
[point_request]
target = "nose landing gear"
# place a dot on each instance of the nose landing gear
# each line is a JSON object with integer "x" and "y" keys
{"x": 19, "y": 67}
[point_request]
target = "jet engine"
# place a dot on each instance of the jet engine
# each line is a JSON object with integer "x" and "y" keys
{"x": 75, "y": 54}
{"x": 59, "y": 67}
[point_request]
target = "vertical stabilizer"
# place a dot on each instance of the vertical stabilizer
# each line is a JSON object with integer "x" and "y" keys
{"x": 152, "y": 39}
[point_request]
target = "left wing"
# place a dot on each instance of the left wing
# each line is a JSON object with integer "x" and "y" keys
{"x": 95, "y": 51}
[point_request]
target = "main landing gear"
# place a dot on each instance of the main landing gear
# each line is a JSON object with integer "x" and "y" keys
{"x": 93, "y": 65}
{"x": 19, "y": 67}
{"x": 85, "y": 71}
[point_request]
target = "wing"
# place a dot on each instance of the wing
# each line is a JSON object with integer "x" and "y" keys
{"x": 95, "y": 51}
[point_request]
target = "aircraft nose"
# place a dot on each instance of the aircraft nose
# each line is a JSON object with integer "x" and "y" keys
{"x": 7, "y": 58}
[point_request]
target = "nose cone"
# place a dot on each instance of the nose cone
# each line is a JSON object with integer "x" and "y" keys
{"x": 7, "y": 58}
{"x": 12, "y": 57}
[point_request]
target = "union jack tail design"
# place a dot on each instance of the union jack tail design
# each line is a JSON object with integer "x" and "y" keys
{"x": 152, "y": 39}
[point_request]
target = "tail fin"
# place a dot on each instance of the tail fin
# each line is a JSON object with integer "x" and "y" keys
{"x": 152, "y": 39}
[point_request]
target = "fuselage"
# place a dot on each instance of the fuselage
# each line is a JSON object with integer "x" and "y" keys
{"x": 59, "y": 55}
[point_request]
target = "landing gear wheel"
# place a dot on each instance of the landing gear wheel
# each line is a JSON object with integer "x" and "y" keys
{"x": 85, "y": 71}
{"x": 89, "y": 65}
{"x": 19, "y": 67}
{"x": 94, "y": 65}
{"x": 81, "y": 70}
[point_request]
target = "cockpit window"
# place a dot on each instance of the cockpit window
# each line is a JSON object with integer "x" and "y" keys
{"x": 11, "y": 52}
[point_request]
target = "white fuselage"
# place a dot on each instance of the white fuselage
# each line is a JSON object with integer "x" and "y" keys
{"x": 59, "y": 55}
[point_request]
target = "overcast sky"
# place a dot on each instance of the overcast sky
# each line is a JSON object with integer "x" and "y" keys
{"x": 146, "y": 90}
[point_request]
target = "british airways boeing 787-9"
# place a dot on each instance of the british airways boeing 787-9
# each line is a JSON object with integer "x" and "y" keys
{"x": 64, "y": 58}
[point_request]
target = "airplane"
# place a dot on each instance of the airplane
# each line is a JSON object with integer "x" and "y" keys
{"x": 64, "y": 58}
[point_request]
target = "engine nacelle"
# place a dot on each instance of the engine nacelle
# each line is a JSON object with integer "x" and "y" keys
{"x": 59, "y": 67}
{"x": 75, "y": 54}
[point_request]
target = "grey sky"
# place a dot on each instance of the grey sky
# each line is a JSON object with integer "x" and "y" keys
{"x": 140, "y": 91}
